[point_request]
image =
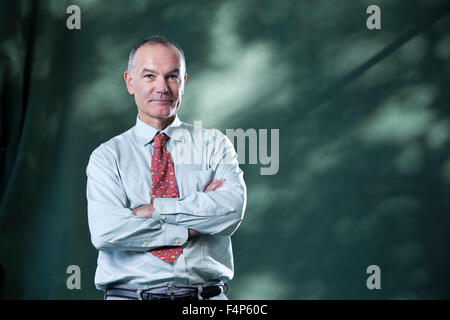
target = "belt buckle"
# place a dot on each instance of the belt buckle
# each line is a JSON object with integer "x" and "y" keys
{"x": 171, "y": 291}
{"x": 171, "y": 288}
{"x": 139, "y": 294}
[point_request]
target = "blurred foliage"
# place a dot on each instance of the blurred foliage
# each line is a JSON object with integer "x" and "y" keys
{"x": 364, "y": 137}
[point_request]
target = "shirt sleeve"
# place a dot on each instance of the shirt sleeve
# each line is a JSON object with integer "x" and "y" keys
{"x": 218, "y": 212}
{"x": 112, "y": 225}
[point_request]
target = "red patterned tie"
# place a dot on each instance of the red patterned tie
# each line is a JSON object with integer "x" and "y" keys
{"x": 164, "y": 185}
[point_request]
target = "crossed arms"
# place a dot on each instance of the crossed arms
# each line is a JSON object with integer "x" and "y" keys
{"x": 217, "y": 210}
{"x": 148, "y": 209}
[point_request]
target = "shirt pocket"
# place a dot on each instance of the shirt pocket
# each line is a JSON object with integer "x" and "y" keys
{"x": 199, "y": 180}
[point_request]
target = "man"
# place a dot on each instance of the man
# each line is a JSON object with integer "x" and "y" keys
{"x": 163, "y": 197}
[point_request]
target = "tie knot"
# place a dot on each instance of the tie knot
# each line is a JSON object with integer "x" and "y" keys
{"x": 160, "y": 139}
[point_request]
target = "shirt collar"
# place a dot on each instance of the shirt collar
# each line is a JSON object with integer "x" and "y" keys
{"x": 146, "y": 132}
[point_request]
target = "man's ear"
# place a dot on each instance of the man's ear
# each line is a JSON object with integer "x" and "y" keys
{"x": 128, "y": 77}
{"x": 184, "y": 82}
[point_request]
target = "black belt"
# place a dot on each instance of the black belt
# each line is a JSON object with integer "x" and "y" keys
{"x": 207, "y": 292}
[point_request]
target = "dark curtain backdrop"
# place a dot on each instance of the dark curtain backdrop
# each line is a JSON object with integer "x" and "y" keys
{"x": 364, "y": 120}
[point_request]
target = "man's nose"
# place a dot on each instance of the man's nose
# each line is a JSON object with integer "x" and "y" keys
{"x": 161, "y": 85}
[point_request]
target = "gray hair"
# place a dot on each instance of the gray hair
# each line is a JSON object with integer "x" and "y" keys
{"x": 156, "y": 40}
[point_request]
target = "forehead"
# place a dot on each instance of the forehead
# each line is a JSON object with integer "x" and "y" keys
{"x": 157, "y": 56}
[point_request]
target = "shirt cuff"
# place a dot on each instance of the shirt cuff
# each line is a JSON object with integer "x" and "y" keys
{"x": 175, "y": 235}
{"x": 165, "y": 209}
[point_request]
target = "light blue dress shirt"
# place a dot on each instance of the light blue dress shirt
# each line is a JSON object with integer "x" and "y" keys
{"x": 119, "y": 179}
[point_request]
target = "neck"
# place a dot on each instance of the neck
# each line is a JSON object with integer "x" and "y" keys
{"x": 157, "y": 123}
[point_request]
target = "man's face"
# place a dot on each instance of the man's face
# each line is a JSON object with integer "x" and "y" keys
{"x": 157, "y": 81}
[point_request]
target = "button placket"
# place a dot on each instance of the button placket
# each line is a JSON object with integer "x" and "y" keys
{"x": 180, "y": 269}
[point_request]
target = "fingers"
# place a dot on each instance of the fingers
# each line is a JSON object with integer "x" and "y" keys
{"x": 144, "y": 211}
{"x": 214, "y": 185}
{"x": 193, "y": 233}
{"x": 219, "y": 184}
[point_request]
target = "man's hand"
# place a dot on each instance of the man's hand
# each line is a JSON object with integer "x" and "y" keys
{"x": 144, "y": 211}
{"x": 148, "y": 209}
{"x": 193, "y": 233}
{"x": 214, "y": 185}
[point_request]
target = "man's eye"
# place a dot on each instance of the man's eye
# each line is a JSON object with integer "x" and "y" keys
{"x": 149, "y": 76}
{"x": 173, "y": 77}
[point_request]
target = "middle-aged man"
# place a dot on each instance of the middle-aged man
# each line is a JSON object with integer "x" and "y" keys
{"x": 163, "y": 197}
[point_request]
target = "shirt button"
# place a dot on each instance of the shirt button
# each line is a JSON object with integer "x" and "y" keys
{"x": 163, "y": 210}
{"x": 163, "y": 217}
{"x": 145, "y": 244}
{"x": 177, "y": 241}
{"x": 195, "y": 211}
{"x": 179, "y": 274}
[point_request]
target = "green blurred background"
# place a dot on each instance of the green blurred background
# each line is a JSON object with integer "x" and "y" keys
{"x": 364, "y": 123}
